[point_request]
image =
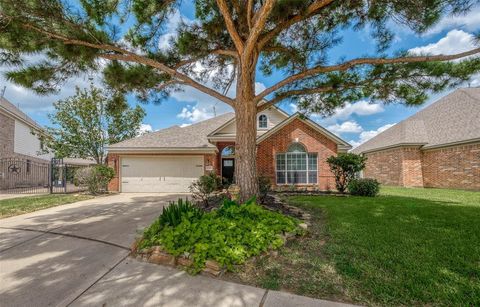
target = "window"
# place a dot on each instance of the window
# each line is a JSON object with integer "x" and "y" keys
{"x": 296, "y": 166}
{"x": 262, "y": 121}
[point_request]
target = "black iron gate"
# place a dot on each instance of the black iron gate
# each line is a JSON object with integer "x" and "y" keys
{"x": 24, "y": 176}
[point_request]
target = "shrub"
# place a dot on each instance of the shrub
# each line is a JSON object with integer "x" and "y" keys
{"x": 229, "y": 235}
{"x": 96, "y": 178}
{"x": 344, "y": 167}
{"x": 364, "y": 187}
{"x": 203, "y": 188}
{"x": 264, "y": 186}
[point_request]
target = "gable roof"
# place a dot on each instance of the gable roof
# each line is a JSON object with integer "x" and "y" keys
{"x": 345, "y": 145}
{"x": 175, "y": 137}
{"x": 453, "y": 119}
{"x": 10, "y": 109}
{"x": 219, "y": 129}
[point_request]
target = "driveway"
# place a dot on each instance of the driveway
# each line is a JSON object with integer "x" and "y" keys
{"x": 77, "y": 255}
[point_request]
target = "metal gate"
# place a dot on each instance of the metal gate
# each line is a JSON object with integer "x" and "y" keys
{"x": 24, "y": 176}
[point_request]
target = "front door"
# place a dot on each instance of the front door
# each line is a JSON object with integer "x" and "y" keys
{"x": 228, "y": 167}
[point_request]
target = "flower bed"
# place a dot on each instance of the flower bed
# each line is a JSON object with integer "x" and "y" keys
{"x": 215, "y": 240}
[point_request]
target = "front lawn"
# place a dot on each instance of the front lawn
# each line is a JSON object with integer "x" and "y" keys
{"x": 21, "y": 205}
{"x": 404, "y": 247}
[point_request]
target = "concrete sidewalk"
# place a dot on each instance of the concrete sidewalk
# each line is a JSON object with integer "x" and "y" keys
{"x": 77, "y": 255}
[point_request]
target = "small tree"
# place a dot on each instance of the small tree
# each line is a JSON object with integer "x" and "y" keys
{"x": 344, "y": 167}
{"x": 86, "y": 123}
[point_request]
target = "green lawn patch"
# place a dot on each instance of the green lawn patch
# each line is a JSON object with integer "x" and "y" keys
{"x": 21, "y": 205}
{"x": 404, "y": 247}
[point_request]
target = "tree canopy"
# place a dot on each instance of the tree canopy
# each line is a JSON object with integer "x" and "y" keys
{"x": 86, "y": 123}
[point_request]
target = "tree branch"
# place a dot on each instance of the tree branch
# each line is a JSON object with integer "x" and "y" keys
{"x": 362, "y": 61}
{"x": 260, "y": 20}
{"x": 310, "y": 11}
{"x": 237, "y": 40}
{"x": 129, "y": 56}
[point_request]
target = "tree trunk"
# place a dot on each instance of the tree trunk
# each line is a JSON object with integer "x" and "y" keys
{"x": 246, "y": 139}
{"x": 245, "y": 151}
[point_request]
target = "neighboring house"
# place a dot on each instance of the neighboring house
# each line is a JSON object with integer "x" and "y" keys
{"x": 16, "y": 138}
{"x": 291, "y": 150}
{"x": 437, "y": 147}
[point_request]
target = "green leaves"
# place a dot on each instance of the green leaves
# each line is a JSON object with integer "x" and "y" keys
{"x": 229, "y": 235}
{"x": 344, "y": 167}
{"x": 86, "y": 123}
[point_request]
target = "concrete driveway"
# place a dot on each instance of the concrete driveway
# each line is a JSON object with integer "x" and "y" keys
{"x": 77, "y": 255}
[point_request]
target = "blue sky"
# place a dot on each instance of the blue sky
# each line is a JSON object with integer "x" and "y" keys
{"x": 355, "y": 122}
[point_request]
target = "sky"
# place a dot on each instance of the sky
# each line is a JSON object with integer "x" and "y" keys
{"x": 355, "y": 122}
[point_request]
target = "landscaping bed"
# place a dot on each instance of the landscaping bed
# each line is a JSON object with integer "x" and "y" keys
{"x": 215, "y": 241}
{"x": 404, "y": 247}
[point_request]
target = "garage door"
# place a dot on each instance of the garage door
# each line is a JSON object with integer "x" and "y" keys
{"x": 160, "y": 174}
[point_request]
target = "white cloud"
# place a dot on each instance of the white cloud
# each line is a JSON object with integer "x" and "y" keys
{"x": 293, "y": 107}
{"x": 361, "y": 108}
{"x": 469, "y": 22}
{"x": 367, "y": 135}
{"x": 144, "y": 128}
{"x": 194, "y": 114}
{"x": 184, "y": 125}
{"x": 455, "y": 41}
{"x": 346, "y": 127}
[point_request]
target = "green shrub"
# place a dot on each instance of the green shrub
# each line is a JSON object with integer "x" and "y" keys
{"x": 264, "y": 186}
{"x": 344, "y": 167}
{"x": 364, "y": 187}
{"x": 96, "y": 178}
{"x": 203, "y": 188}
{"x": 172, "y": 215}
{"x": 229, "y": 235}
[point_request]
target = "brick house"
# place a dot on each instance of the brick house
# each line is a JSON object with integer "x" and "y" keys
{"x": 291, "y": 150}
{"x": 437, "y": 147}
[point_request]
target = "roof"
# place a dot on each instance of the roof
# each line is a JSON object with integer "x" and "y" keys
{"x": 453, "y": 119}
{"x": 15, "y": 112}
{"x": 175, "y": 137}
{"x": 309, "y": 122}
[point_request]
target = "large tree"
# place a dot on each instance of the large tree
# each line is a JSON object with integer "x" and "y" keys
{"x": 236, "y": 39}
{"x": 86, "y": 123}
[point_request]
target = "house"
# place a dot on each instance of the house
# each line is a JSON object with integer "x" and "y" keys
{"x": 16, "y": 138}
{"x": 437, "y": 147}
{"x": 291, "y": 150}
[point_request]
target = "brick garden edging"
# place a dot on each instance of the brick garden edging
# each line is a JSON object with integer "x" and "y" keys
{"x": 158, "y": 255}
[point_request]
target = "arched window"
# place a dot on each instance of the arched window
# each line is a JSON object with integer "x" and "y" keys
{"x": 228, "y": 151}
{"x": 262, "y": 121}
{"x": 296, "y": 166}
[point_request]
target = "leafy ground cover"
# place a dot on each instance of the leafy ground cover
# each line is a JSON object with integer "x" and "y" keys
{"x": 404, "y": 247}
{"x": 229, "y": 235}
{"x": 21, "y": 205}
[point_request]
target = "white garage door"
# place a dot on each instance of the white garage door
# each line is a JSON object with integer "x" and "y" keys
{"x": 160, "y": 174}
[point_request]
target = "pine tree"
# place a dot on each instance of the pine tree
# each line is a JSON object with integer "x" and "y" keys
{"x": 236, "y": 39}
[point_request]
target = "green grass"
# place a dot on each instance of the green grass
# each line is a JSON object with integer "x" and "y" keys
{"x": 404, "y": 247}
{"x": 21, "y": 205}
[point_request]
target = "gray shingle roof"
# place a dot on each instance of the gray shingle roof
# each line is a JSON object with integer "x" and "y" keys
{"x": 452, "y": 119}
{"x": 12, "y": 109}
{"x": 193, "y": 136}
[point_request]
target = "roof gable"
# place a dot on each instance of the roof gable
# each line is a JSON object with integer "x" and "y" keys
{"x": 11, "y": 110}
{"x": 339, "y": 141}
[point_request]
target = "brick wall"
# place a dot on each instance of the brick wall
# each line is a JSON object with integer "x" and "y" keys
{"x": 297, "y": 131}
{"x": 7, "y": 130}
{"x": 455, "y": 167}
{"x": 452, "y": 167}
{"x": 385, "y": 166}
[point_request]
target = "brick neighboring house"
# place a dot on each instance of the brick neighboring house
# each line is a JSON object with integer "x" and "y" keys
{"x": 291, "y": 150}
{"x": 437, "y": 147}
